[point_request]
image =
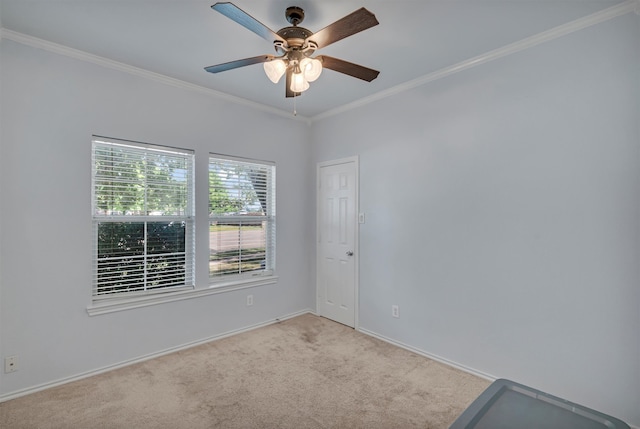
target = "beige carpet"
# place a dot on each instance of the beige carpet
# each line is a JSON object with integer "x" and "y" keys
{"x": 306, "y": 372}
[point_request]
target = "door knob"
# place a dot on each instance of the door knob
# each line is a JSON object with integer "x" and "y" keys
{"x": 349, "y": 253}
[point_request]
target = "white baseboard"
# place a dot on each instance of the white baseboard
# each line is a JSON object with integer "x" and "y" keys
{"x": 437, "y": 358}
{"x": 59, "y": 382}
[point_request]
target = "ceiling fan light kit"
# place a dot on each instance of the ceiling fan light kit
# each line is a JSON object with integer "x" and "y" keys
{"x": 295, "y": 46}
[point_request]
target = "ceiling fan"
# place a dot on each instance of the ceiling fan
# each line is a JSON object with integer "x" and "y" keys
{"x": 294, "y": 46}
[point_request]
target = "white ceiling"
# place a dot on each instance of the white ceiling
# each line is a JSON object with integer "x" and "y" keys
{"x": 179, "y": 38}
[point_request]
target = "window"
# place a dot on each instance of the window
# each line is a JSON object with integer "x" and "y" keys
{"x": 242, "y": 218}
{"x": 143, "y": 224}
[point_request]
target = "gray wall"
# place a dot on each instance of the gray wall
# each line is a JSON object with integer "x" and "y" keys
{"x": 51, "y": 105}
{"x": 502, "y": 215}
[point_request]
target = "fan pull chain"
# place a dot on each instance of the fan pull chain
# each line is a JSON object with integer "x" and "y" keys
{"x": 295, "y": 112}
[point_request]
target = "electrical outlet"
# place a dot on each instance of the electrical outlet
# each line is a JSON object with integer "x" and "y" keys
{"x": 249, "y": 300}
{"x": 395, "y": 311}
{"x": 10, "y": 364}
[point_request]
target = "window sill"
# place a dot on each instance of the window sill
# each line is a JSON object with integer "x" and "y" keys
{"x": 111, "y": 306}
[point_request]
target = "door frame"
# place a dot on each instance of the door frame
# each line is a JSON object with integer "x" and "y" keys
{"x": 356, "y": 229}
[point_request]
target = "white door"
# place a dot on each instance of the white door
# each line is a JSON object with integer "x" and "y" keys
{"x": 336, "y": 246}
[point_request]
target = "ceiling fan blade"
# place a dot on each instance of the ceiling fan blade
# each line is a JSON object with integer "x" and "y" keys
{"x": 239, "y": 63}
{"x": 287, "y": 83}
{"x": 351, "y": 24}
{"x": 236, "y": 14}
{"x": 348, "y": 68}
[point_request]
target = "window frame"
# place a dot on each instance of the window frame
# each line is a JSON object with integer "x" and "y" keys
{"x": 105, "y": 302}
{"x": 268, "y": 274}
{"x": 201, "y": 286}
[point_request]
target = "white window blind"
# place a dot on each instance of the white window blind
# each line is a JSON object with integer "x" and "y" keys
{"x": 143, "y": 205}
{"x": 242, "y": 218}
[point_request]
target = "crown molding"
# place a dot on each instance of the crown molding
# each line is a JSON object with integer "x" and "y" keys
{"x": 512, "y": 48}
{"x": 77, "y": 54}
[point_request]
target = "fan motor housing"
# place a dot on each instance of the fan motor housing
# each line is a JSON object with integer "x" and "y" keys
{"x": 295, "y": 36}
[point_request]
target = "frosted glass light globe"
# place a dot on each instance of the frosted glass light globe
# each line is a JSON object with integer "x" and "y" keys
{"x": 311, "y": 68}
{"x": 299, "y": 83}
{"x": 274, "y": 70}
